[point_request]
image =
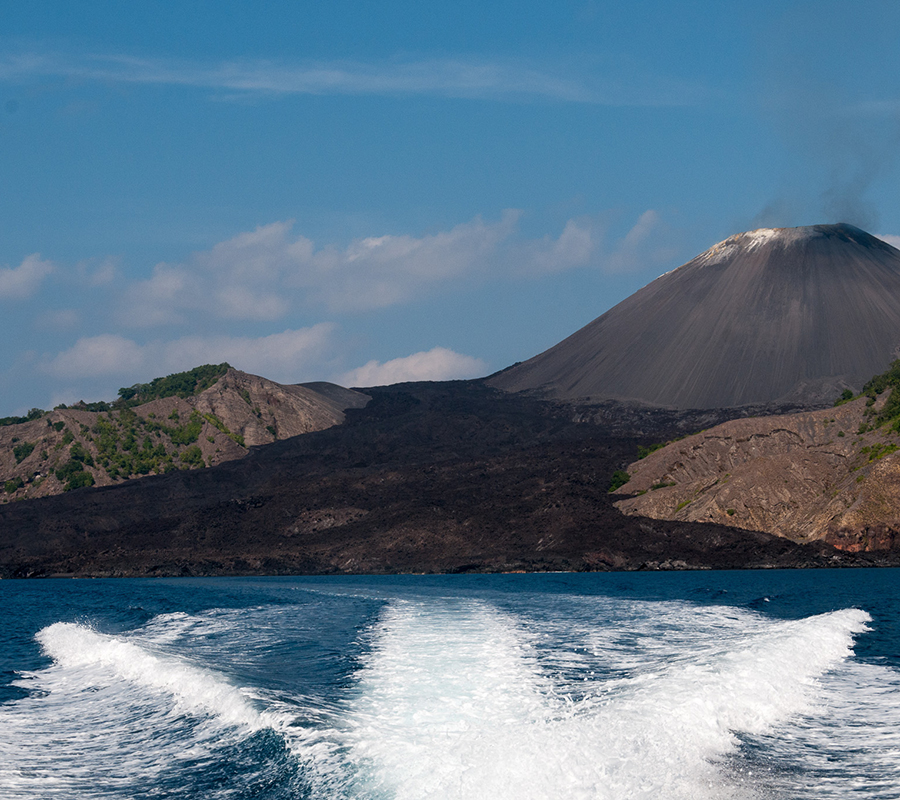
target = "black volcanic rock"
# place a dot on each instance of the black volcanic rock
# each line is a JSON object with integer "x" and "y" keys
{"x": 441, "y": 477}
{"x": 785, "y": 315}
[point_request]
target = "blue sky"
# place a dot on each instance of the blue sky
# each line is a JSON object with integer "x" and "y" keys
{"x": 371, "y": 192}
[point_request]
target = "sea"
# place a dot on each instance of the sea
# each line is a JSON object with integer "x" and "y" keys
{"x": 745, "y": 684}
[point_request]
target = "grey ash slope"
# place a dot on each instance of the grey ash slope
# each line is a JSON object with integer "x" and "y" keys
{"x": 785, "y": 315}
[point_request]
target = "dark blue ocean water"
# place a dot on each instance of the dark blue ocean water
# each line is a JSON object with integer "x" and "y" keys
{"x": 775, "y": 684}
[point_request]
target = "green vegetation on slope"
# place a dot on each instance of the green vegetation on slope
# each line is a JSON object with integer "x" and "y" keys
{"x": 129, "y": 445}
{"x": 643, "y": 452}
{"x": 179, "y": 384}
{"x": 34, "y": 413}
{"x": 619, "y": 478}
{"x": 890, "y": 412}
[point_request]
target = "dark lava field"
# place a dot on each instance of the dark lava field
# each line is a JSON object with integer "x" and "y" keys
{"x": 429, "y": 477}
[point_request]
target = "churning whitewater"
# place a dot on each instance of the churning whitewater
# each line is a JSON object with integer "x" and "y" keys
{"x": 478, "y": 695}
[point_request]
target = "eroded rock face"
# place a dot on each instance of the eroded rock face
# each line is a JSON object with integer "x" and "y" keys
{"x": 262, "y": 411}
{"x": 238, "y": 412}
{"x": 806, "y": 476}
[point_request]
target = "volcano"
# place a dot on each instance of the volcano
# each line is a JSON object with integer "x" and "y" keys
{"x": 771, "y": 316}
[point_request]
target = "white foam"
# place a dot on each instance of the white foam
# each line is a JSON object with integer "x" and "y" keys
{"x": 453, "y": 703}
{"x": 566, "y": 698}
{"x": 850, "y": 745}
{"x": 194, "y": 690}
{"x": 110, "y": 714}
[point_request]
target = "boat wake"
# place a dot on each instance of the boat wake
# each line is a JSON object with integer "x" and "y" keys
{"x": 459, "y": 698}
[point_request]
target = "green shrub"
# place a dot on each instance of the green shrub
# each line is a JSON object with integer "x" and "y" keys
{"x": 73, "y": 475}
{"x": 79, "y": 480}
{"x": 22, "y": 451}
{"x": 189, "y": 432}
{"x": 879, "y": 450}
{"x": 846, "y": 396}
{"x": 643, "y": 452}
{"x": 33, "y": 414}
{"x": 192, "y": 456}
{"x": 619, "y": 478}
{"x": 79, "y": 454}
{"x": 13, "y": 484}
{"x": 890, "y": 412}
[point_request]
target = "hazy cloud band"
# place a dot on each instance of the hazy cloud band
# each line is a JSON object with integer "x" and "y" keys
{"x": 613, "y": 85}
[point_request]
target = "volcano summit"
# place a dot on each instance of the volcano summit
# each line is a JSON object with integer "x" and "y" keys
{"x": 775, "y": 315}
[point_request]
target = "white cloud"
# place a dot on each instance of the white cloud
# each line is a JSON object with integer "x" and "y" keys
{"x": 107, "y": 354}
{"x": 437, "y": 364}
{"x": 576, "y": 246}
{"x": 614, "y": 83}
{"x": 267, "y": 273}
{"x": 645, "y": 245}
{"x": 261, "y": 274}
{"x": 894, "y": 241}
{"x": 17, "y": 283}
{"x": 156, "y": 301}
{"x": 287, "y": 356}
{"x": 382, "y": 271}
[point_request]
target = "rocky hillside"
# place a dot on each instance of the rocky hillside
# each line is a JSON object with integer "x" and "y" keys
{"x": 190, "y": 420}
{"x": 830, "y": 475}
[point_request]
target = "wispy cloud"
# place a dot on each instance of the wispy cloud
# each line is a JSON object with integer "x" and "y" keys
{"x": 270, "y": 272}
{"x": 648, "y": 243}
{"x": 265, "y": 273}
{"x": 17, "y": 283}
{"x": 437, "y": 364}
{"x": 286, "y": 356}
{"x": 893, "y": 241}
{"x": 471, "y": 77}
